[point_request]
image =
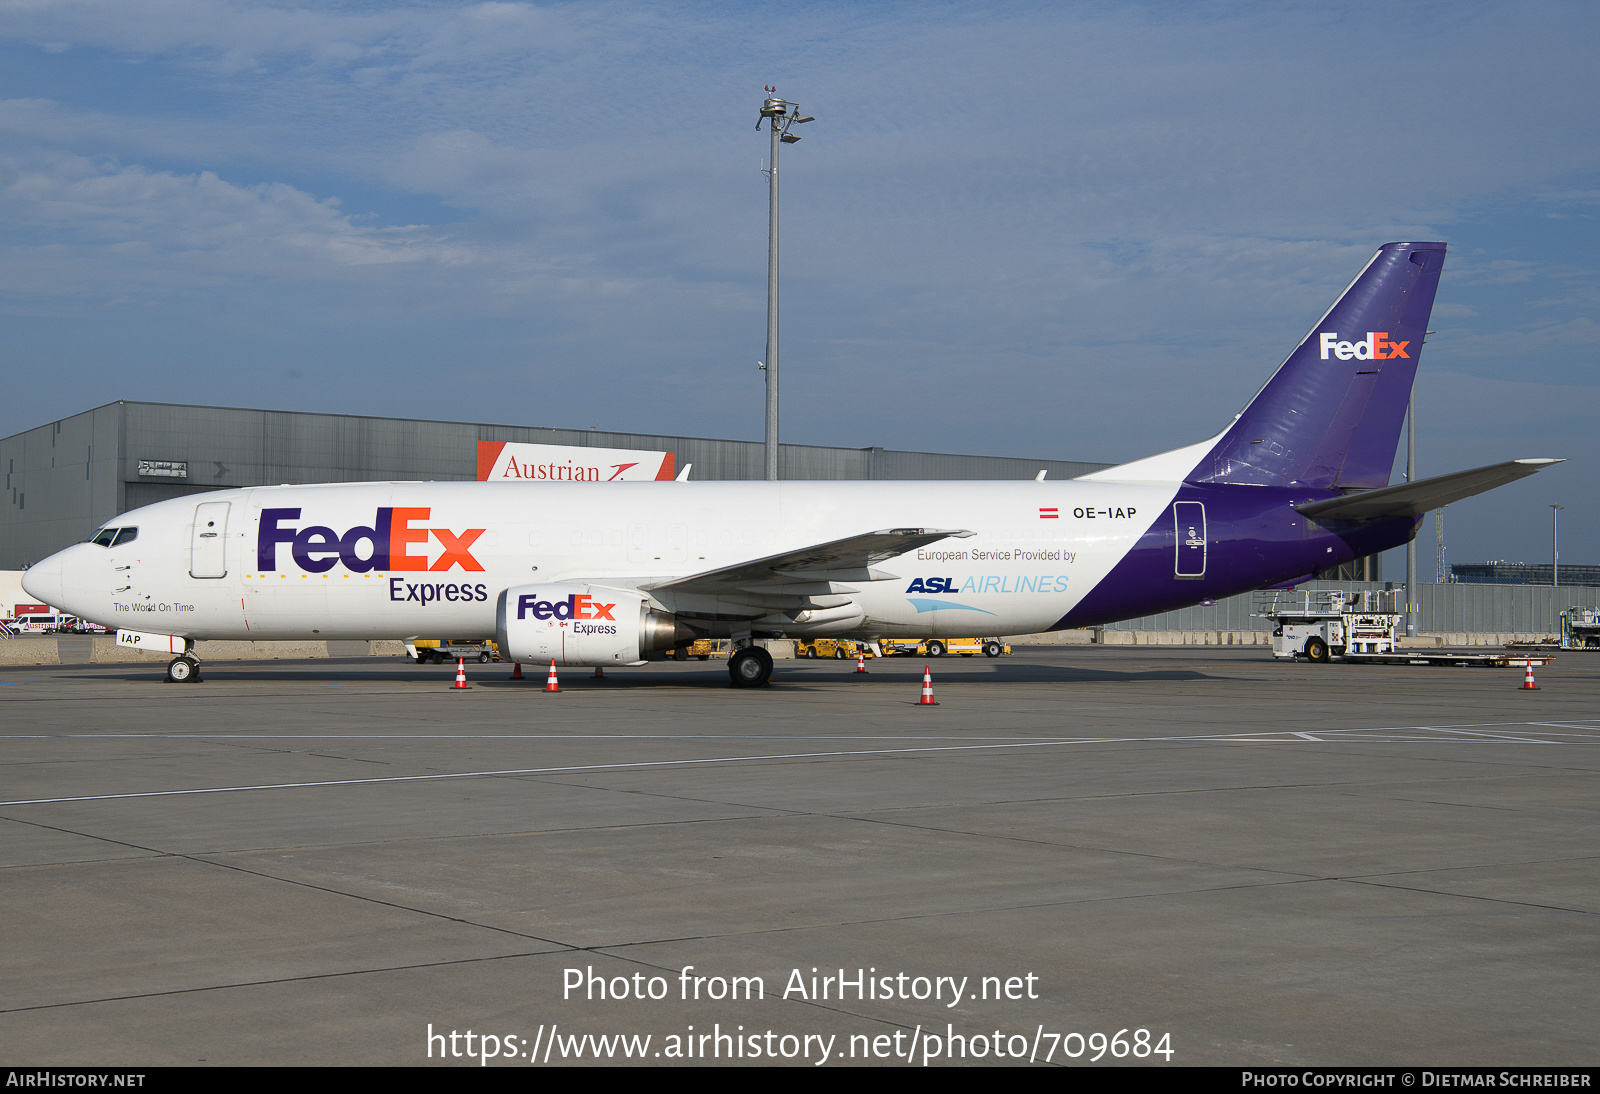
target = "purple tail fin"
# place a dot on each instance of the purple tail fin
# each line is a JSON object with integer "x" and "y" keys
{"x": 1330, "y": 416}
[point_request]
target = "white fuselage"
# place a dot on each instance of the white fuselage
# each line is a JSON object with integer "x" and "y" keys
{"x": 236, "y": 564}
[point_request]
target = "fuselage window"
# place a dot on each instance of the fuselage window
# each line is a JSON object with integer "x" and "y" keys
{"x": 104, "y": 536}
{"x": 125, "y": 535}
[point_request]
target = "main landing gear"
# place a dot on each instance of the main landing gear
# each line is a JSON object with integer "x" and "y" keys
{"x": 750, "y": 667}
{"x": 184, "y": 670}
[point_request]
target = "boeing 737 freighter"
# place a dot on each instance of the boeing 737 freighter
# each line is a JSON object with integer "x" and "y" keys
{"x": 604, "y": 574}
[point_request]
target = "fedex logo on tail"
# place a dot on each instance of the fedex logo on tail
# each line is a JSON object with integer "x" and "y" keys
{"x": 385, "y": 544}
{"x": 1374, "y": 347}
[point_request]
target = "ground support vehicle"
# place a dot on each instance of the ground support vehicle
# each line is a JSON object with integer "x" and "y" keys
{"x": 841, "y": 649}
{"x": 38, "y": 624}
{"x": 704, "y": 649}
{"x": 938, "y": 647}
{"x": 441, "y": 650}
{"x": 1359, "y": 628}
{"x": 1580, "y": 629}
{"x": 1333, "y": 623}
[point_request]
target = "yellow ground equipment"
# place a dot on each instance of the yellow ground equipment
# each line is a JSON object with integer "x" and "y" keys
{"x": 938, "y": 647}
{"x": 840, "y": 649}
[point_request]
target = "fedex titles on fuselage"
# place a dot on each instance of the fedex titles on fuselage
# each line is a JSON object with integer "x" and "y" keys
{"x": 1374, "y": 347}
{"x": 317, "y": 548}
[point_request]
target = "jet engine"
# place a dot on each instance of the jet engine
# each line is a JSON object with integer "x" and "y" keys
{"x": 574, "y": 624}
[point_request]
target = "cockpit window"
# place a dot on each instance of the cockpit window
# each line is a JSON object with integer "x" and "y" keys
{"x": 115, "y": 537}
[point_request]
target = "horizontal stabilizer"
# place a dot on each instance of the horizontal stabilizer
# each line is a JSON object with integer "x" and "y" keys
{"x": 1412, "y": 499}
{"x": 840, "y": 560}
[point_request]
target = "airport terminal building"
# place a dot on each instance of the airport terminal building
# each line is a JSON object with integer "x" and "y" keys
{"x": 65, "y": 479}
{"x": 1523, "y": 573}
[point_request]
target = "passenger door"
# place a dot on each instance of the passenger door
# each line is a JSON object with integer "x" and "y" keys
{"x": 208, "y": 546}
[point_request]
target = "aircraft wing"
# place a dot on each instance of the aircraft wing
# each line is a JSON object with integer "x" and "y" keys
{"x": 806, "y": 571}
{"x": 1412, "y": 499}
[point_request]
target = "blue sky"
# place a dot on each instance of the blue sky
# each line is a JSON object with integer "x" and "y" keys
{"x": 1080, "y": 231}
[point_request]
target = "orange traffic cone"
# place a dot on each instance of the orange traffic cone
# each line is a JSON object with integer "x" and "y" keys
{"x": 927, "y": 689}
{"x": 516, "y": 671}
{"x": 861, "y": 662}
{"x": 461, "y": 676}
{"x": 550, "y": 684}
{"x": 599, "y": 673}
{"x": 1527, "y": 680}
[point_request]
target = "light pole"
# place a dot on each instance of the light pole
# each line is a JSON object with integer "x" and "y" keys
{"x": 1555, "y": 545}
{"x": 782, "y": 115}
{"x": 1411, "y": 545}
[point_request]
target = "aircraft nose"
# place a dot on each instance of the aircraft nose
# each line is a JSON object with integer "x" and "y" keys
{"x": 42, "y": 581}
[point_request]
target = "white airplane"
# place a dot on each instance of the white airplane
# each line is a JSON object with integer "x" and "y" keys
{"x": 603, "y": 574}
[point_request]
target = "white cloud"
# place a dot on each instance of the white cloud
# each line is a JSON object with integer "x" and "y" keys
{"x": 81, "y": 228}
{"x": 1474, "y": 270}
{"x": 1523, "y": 342}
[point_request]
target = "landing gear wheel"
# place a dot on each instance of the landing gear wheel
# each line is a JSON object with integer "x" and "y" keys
{"x": 935, "y": 649}
{"x": 1317, "y": 651}
{"x": 183, "y": 670}
{"x": 992, "y": 649}
{"x": 751, "y": 667}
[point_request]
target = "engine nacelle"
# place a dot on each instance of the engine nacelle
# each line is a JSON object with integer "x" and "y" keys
{"x": 574, "y": 624}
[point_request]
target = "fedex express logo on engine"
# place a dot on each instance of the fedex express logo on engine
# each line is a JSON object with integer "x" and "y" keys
{"x": 1374, "y": 347}
{"x": 385, "y": 544}
{"x": 573, "y": 607}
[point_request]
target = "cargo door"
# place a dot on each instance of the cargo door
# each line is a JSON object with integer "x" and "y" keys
{"x": 1190, "y": 520}
{"x": 208, "y": 547}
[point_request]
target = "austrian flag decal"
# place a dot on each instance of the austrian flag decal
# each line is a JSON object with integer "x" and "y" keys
{"x": 1049, "y": 514}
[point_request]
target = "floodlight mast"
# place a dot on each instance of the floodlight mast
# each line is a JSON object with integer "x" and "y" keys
{"x": 1555, "y": 545}
{"x": 782, "y": 114}
{"x": 1412, "y": 607}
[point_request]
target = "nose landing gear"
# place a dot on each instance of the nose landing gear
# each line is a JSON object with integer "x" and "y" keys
{"x": 184, "y": 670}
